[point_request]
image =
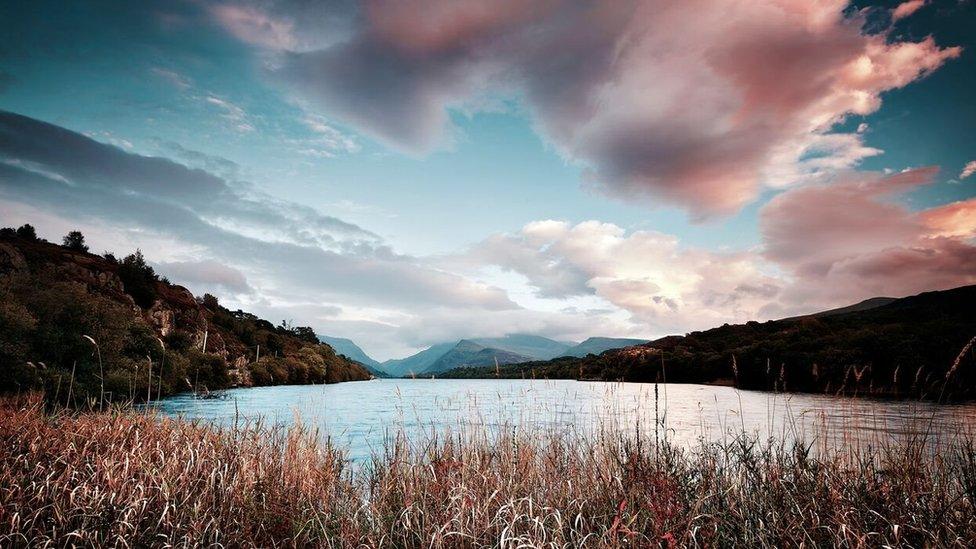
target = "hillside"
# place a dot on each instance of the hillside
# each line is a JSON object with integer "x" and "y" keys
{"x": 349, "y": 349}
{"x": 508, "y": 349}
{"x": 597, "y": 345}
{"x": 904, "y": 348}
{"x": 68, "y": 314}
{"x": 416, "y": 363}
{"x": 531, "y": 346}
{"x": 865, "y": 305}
{"x": 467, "y": 353}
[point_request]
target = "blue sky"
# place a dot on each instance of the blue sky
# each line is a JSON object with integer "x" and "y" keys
{"x": 454, "y": 147}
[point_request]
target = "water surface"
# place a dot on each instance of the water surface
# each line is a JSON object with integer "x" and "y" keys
{"x": 359, "y": 415}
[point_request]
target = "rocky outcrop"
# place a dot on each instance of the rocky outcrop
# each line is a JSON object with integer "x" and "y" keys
{"x": 11, "y": 260}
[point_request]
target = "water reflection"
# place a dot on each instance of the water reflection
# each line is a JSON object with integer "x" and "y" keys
{"x": 359, "y": 415}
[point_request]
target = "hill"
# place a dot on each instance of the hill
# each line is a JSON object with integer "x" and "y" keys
{"x": 467, "y": 353}
{"x": 531, "y": 346}
{"x": 349, "y": 349}
{"x": 914, "y": 347}
{"x": 597, "y": 345}
{"x": 511, "y": 348}
{"x": 416, "y": 363}
{"x": 865, "y": 305}
{"x": 83, "y": 326}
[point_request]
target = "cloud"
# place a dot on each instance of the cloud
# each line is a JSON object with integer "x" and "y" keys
{"x": 905, "y": 9}
{"x": 286, "y": 249}
{"x": 822, "y": 246}
{"x": 254, "y": 26}
{"x": 968, "y": 170}
{"x": 206, "y": 275}
{"x": 232, "y": 112}
{"x": 174, "y": 78}
{"x": 850, "y": 240}
{"x": 664, "y": 286}
{"x": 699, "y": 105}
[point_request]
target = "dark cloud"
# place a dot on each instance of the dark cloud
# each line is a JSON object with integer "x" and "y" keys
{"x": 301, "y": 251}
{"x": 697, "y": 103}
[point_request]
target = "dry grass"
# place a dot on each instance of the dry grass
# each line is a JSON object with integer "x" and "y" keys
{"x": 127, "y": 479}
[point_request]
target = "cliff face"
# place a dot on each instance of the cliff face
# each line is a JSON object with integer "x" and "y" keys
{"x": 40, "y": 280}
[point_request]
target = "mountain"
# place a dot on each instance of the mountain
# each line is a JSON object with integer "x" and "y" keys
{"x": 417, "y": 363}
{"x": 350, "y": 350}
{"x": 69, "y": 314}
{"x": 597, "y": 345}
{"x": 470, "y": 354}
{"x": 914, "y": 347}
{"x": 526, "y": 347}
{"x": 532, "y": 346}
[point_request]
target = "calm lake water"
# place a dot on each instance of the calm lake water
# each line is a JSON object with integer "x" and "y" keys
{"x": 359, "y": 415}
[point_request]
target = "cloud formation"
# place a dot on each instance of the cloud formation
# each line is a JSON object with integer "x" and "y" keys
{"x": 698, "y": 104}
{"x": 206, "y": 274}
{"x": 293, "y": 249}
{"x": 665, "y": 286}
{"x": 849, "y": 240}
{"x": 823, "y": 246}
{"x": 968, "y": 170}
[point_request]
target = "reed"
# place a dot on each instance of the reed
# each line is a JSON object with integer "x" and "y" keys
{"x": 113, "y": 478}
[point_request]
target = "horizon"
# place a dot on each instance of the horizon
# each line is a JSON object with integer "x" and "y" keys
{"x": 403, "y": 175}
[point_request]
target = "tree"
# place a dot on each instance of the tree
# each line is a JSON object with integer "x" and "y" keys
{"x": 74, "y": 241}
{"x": 27, "y": 232}
{"x": 139, "y": 279}
{"x": 210, "y": 301}
{"x": 305, "y": 333}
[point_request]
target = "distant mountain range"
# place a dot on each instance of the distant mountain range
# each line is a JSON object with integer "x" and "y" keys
{"x": 922, "y": 346}
{"x": 477, "y": 352}
{"x": 350, "y": 350}
{"x": 597, "y": 345}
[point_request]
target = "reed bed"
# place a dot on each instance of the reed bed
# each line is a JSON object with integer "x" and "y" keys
{"x": 122, "y": 478}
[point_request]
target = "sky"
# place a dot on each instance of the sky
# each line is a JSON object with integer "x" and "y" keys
{"x": 405, "y": 173}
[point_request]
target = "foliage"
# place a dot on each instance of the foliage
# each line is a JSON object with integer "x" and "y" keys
{"x": 902, "y": 349}
{"x": 80, "y": 341}
{"x": 27, "y": 232}
{"x": 139, "y": 279}
{"x": 75, "y": 241}
{"x": 114, "y": 477}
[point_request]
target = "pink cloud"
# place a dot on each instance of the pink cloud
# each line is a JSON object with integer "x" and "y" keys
{"x": 906, "y": 8}
{"x": 699, "y": 104}
{"x": 254, "y": 26}
{"x": 850, "y": 240}
{"x": 968, "y": 170}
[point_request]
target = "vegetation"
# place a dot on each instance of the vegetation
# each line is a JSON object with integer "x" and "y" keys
{"x": 75, "y": 241}
{"x": 85, "y": 328}
{"x": 121, "y": 478}
{"x": 908, "y": 348}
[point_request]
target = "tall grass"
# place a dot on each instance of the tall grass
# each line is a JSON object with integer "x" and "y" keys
{"x": 118, "y": 478}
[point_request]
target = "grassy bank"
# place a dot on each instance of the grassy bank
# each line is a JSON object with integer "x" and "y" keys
{"x": 123, "y": 478}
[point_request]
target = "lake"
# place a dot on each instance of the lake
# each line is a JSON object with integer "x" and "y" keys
{"x": 359, "y": 415}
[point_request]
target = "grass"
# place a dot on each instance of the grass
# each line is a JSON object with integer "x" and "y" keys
{"x": 121, "y": 478}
